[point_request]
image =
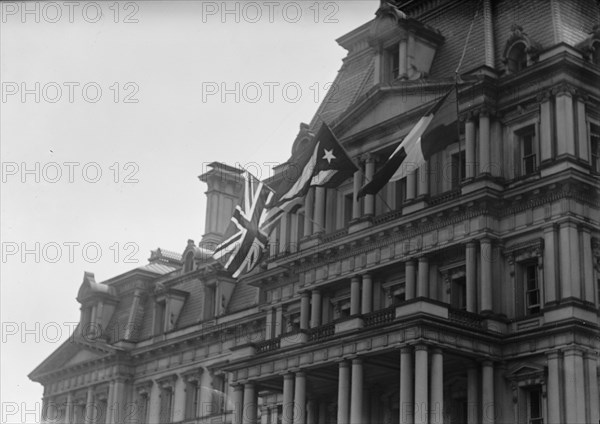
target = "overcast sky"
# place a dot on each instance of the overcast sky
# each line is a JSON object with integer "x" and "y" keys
{"x": 109, "y": 113}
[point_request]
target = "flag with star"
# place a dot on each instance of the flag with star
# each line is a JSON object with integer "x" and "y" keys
{"x": 245, "y": 238}
{"x": 323, "y": 163}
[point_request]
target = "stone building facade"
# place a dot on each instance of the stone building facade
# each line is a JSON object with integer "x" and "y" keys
{"x": 467, "y": 292}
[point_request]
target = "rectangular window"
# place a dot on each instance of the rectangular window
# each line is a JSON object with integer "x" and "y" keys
{"x": 143, "y": 403}
{"x": 192, "y": 399}
{"x": 532, "y": 289}
{"x": 534, "y": 406}
{"x": 159, "y": 317}
{"x": 348, "y": 204}
{"x": 218, "y": 394}
{"x": 400, "y": 186}
{"x": 300, "y": 225}
{"x": 393, "y": 55}
{"x": 528, "y": 146}
{"x": 458, "y": 293}
{"x": 458, "y": 168}
{"x": 166, "y": 405}
{"x": 595, "y": 147}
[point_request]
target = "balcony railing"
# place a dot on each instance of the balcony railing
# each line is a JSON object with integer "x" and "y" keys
{"x": 321, "y": 333}
{"x": 268, "y": 345}
{"x": 382, "y": 316}
{"x": 469, "y": 319}
{"x": 444, "y": 197}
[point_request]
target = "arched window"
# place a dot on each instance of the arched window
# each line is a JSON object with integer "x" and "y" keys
{"x": 517, "y": 58}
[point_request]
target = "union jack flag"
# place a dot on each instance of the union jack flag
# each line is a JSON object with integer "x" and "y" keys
{"x": 246, "y": 245}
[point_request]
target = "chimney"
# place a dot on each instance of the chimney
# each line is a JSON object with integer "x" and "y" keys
{"x": 223, "y": 195}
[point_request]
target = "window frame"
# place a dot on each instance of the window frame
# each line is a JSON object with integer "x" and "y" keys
{"x": 594, "y": 143}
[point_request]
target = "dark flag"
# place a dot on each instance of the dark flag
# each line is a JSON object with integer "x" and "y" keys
{"x": 245, "y": 240}
{"x": 324, "y": 163}
{"x": 431, "y": 134}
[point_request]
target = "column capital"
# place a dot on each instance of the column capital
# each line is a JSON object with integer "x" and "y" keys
{"x": 421, "y": 347}
{"x": 343, "y": 363}
{"x": 288, "y": 375}
{"x": 471, "y": 243}
{"x": 357, "y": 361}
{"x": 423, "y": 258}
{"x": 437, "y": 351}
{"x": 369, "y": 158}
{"x": 406, "y": 349}
{"x": 355, "y": 278}
{"x": 553, "y": 354}
{"x": 487, "y": 362}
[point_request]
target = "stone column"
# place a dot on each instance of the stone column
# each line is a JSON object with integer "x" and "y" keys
{"x": 421, "y": 386}
{"x": 550, "y": 287}
{"x": 574, "y": 382}
{"x": 238, "y": 403}
{"x": 582, "y": 130}
{"x": 436, "y": 415}
{"x": 179, "y": 400}
{"x": 423, "y": 286}
{"x": 486, "y": 294}
{"x": 304, "y": 310}
{"x": 315, "y": 314}
{"x": 154, "y": 404}
{"x": 484, "y": 142}
{"x": 411, "y": 185}
{"x": 406, "y": 407}
{"x": 264, "y": 414}
{"x": 588, "y": 265}
{"x": 300, "y": 398}
{"x": 472, "y": 395}
{"x": 250, "y": 404}
{"x": 470, "y": 164}
{"x": 471, "y": 277}
{"x": 319, "y": 221}
{"x": 569, "y": 261}
{"x": 308, "y": 212}
{"x": 411, "y": 279}
{"x": 565, "y": 125}
{"x": 357, "y": 183}
{"x": 546, "y": 126}
{"x": 343, "y": 413}
{"x": 367, "y": 294}
{"x": 424, "y": 180}
{"x": 90, "y": 407}
{"x": 119, "y": 401}
{"x": 369, "y": 172}
{"x": 591, "y": 376}
{"x": 553, "y": 388}
{"x": 278, "y": 322}
{"x": 355, "y": 296}
{"x": 287, "y": 414}
{"x": 487, "y": 393}
{"x": 356, "y": 403}
{"x": 69, "y": 409}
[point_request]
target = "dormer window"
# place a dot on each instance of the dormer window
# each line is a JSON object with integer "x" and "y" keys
{"x": 393, "y": 59}
{"x": 159, "y": 317}
{"x": 405, "y": 46}
{"x": 517, "y": 58}
{"x": 520, "y": 51}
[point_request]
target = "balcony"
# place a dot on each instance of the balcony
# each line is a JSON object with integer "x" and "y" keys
{"x": 419, "y": 307}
